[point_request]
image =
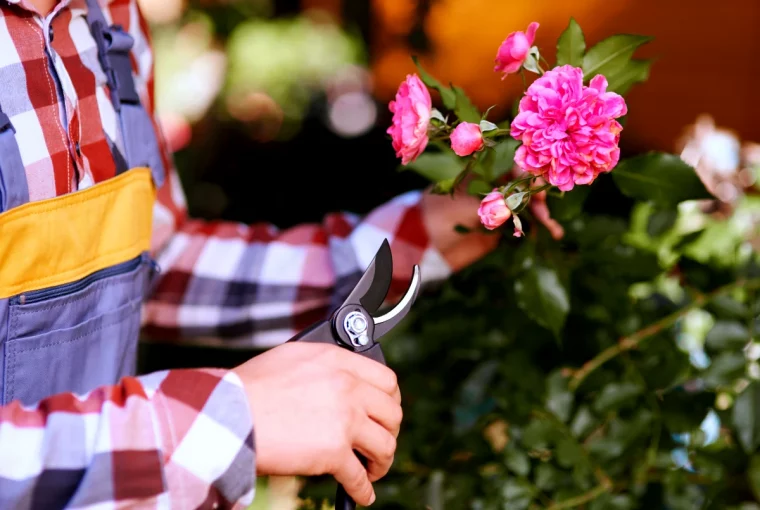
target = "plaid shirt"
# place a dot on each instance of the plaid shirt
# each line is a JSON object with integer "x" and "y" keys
{"x": 179, "y": 439}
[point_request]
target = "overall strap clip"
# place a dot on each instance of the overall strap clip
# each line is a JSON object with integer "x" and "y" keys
{"x": 114, "y": 45}
{"x": 5, "y": 123}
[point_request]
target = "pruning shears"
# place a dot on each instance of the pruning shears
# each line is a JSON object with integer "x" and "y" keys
{"x": 353, "y": 325}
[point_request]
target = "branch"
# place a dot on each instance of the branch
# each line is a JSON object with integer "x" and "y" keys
{"x": 582, "y": 499}
{"x": 634, "y": 340}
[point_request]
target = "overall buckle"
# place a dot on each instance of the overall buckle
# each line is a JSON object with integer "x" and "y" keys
{"x": 5, "y": 123}
{"x": 114, "y": 45}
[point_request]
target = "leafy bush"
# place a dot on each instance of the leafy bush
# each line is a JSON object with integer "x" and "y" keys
{"x": 614, "y": 369}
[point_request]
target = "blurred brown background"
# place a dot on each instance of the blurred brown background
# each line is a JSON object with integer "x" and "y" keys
{"x": 708, "y": 53}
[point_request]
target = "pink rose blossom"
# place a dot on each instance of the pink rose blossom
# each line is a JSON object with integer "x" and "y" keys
{"x": 493, "y": 210}
{"x": 411, "y": 118}
{"x": 514, "y": 50}
{"x": 466, "y": 139}
{"x": 568, "y": 131}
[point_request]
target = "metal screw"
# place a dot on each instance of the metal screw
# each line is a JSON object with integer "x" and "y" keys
{"x": 355, "y": 325}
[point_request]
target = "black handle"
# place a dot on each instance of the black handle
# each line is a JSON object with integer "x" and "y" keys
{"x": 342, "y": 500}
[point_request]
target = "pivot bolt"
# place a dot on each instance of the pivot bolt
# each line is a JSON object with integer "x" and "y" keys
{"x": 355, "y": 325}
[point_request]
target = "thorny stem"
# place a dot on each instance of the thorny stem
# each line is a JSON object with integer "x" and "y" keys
{"x": 634, "y": 340}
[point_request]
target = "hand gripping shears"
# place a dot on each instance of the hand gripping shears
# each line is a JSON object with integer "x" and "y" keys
{"x": 353, "y": 325}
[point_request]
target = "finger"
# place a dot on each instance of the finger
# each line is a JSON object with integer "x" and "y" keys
{"x": 378, "y": 446}
{"x": 381, "y": 407}
{"x": 355, "y": 480}
{"x": 368, "y": 370}
{"x": 470, "y": 248}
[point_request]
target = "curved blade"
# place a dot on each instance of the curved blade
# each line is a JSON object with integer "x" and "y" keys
{"x": 373, "y": 286}
{"x": 388, "y": 321}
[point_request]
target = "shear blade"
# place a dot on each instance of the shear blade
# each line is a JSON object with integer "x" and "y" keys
{"x": 389, "y": 320}
{"x": 373, "y": 286}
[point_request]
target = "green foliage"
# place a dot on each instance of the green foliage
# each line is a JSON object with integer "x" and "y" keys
{"x": 571, "y": 45}
{"x": 448, "y": 96}
{"x": 464, "y": 108}
{"x": 436, "y": 166}
{"x": 662, "y": 178}
{"x": 554, "y": 375}
{"x": 541, "y": 295}
{"x": 613, "y": 58}
{"x": 589, "y": 372}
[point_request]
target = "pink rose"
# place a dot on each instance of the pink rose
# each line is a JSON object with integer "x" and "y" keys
{"x": 514, "y": 50}
{"x": 568, "y": 131}
{"x": 493, "y": 210}
{"x": 411, "y": 118}
{"x": 466, "y": 139}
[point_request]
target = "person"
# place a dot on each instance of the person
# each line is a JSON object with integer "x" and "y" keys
{"x": 96, "y": 245}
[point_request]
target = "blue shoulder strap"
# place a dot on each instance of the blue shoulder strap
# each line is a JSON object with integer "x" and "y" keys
{"x": 138, "y": 134}
{"x": 14, "y": 190}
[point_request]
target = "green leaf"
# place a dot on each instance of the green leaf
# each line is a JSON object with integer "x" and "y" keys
{"x": 746, "y": 416}
{"x": 444, "y": 187}
{"x": 606, "y": 447}
{"x": 436, "y": 166}
{"x": 547, "y": 477}
{"x": 571, "y": 45}
{"x": 539, "y": 434}
{"x": 615, "y": 394}
{"x": 661, "y": 222}
{"x": 612, "y": 54}
{"x": 569, "y": 205}
{"x": 447, "y": 95}
{"x": 474, "y": 400}
{"x": 516, "y": 494}
{"x": 465, "y": 110}
{"x": 559, "y": 399}
{"x": 635, "y": 71}
{"x": 583, "y": 422}
{"x": 531, "y": 61}
{"x": 436, "y": 114}
{"x": 477, "y": 187}
{"x": 728, "y": 307}
{"x": 664, "y": 179}
{"x": 486, "y": 126}
{"x": 725, "y": 369}
{"x": 753, "y": 475}
{"x": 613, "y": 502}
{"x": 484, "y": 166}
{"x": 541, "y": 295}
{"x": 514, "y": 200}
{"x": 727, "y": 335}
{"x": 517, "y": 461}
{"x": 568, "y": 453}
{"x": 504, "y": 160}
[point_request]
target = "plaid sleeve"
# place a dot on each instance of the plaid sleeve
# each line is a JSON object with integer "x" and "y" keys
{"x": 175, "y": 439}
{"x": 239, "y": 285}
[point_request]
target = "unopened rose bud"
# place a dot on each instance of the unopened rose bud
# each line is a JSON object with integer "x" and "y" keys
{"x": 514, "y": 50}
{"x": 493, "y": 210}
{"x": 466, "y": 139}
